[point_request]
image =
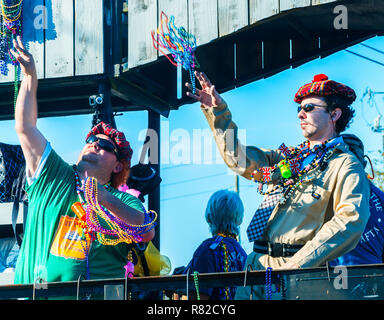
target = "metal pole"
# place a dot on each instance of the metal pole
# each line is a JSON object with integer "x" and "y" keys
{"x": 237, "y": 186}
{"x": 154, "y": 197}
{"x": 106, "y": 112}
{"x": 105, "y": 109}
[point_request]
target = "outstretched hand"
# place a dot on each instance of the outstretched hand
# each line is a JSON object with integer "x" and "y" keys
{"x": 25, "y": 59}
{"x": 207, "y": 96}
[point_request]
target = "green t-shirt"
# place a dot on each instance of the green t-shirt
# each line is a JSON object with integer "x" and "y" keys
{"x": 52, "y": 247}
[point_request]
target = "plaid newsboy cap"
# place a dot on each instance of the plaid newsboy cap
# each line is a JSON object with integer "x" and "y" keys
{"x": 322, "y": 86}
{"x": 125, "y": 151}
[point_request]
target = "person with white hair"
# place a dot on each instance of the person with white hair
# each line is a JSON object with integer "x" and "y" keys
{"x": 221, "y": 252}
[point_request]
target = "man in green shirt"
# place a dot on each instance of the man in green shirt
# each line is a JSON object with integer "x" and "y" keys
{"x": 54, "y": 246}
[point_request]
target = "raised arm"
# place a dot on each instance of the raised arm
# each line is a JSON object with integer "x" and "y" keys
{"x": 31, "y": 140}
{"x": 240, "y": 158}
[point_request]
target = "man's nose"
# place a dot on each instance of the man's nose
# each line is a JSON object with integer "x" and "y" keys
{"x": 96, "y": 145}
{"x": 301, "y": 114}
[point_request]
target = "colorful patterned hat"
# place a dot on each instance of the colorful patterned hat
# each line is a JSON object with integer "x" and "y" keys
{"x": 118, "y": 137}
{"x": 321, "y": 86}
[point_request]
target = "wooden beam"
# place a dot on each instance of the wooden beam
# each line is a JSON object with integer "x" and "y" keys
{"x": 233, "y": 15}
{"x": 261, "y": 9}
{"x": 59, "y": 59}
{"x": 320, "y": 2}
{"x": 142, "y": 19}
{"x": 89, "y": 37}
{"x": 293, "y": 4}
{"x": 176, "y": 8}
{"x": 203, "y": 20}
{"x": 140, "y": 97}
{"x": 33, "y": 31}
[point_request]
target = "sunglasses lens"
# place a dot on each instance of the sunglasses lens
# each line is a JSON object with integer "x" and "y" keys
{"x": 106, "y": 146}
{"x": 103, "y": 144}
{"x": 307, "y": 108}
{"x": 91, "y": 139}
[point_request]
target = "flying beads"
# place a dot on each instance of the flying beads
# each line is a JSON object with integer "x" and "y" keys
{"x": 179, "y": 43}
{"x": 10, "y": 27}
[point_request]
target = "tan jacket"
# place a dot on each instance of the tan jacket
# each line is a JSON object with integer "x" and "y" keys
{"x": 328, "y": 227}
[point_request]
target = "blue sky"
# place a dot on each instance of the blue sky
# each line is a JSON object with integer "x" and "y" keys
{"x": 266, "y": 115}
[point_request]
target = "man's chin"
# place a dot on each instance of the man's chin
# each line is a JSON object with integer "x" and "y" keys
{"x": 305, "y": 134}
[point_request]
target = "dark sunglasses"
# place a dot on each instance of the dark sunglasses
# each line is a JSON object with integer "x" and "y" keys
{"x": 308, "y": 107}
{"x": 103, "y": 144}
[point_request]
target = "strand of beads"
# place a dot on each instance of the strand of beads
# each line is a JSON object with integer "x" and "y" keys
{"x": 226, "y": 267}
{"x": 118, "y": 230}
{"x": 86, "y": 236}
{"x": 228, "y": 235}
{"x": 16, "y": 84}
{"x": 196, "y": 281}
{"x": 179, "y": 43}
{"x": 297, "y": 155}
{"x": 315, "y": 165}
{"x": 85, "y": 249}
{"x": 288, "y": 185}
{"x": 11, "y": 26}
{"x": 268, "y": 284}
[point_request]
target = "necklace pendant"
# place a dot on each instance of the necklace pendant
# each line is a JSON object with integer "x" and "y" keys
{"x": 289, "y": 182}
{"x": 316, "y": 195}
{"x": 129, "y": 269}
{"x": 323, "y": 165}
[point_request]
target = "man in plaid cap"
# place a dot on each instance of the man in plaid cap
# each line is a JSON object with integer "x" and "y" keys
{"x": 54, "y": 246}
{"x": 317, "y": 209}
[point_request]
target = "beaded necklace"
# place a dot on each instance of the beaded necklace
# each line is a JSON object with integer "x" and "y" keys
{"x": 117, "y": 229}
{"x": 10, "y": 28}
{"x": 196, "y": 281}
{"x": 179, "y": 43}
{"x": 226, "y": 267}
{"x": 94, "y": 214}
{"x": 226, "y": 257}
{"x": 293, "y": 158}
{"x": 268, "y": 284}
{"x": 227, "y": 235}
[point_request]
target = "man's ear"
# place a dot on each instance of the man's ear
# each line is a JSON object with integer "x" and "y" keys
{"x": 118, "y": 167}
{"x": 336, "y": 114}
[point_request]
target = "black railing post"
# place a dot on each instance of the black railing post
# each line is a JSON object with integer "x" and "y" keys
{"x": 154, "y": 196}
{"x": 112, "y": 54}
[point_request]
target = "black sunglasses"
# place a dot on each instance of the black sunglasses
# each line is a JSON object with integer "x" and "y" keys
{"x": 308, "y": 107}
{"x": 103, "y": 144}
